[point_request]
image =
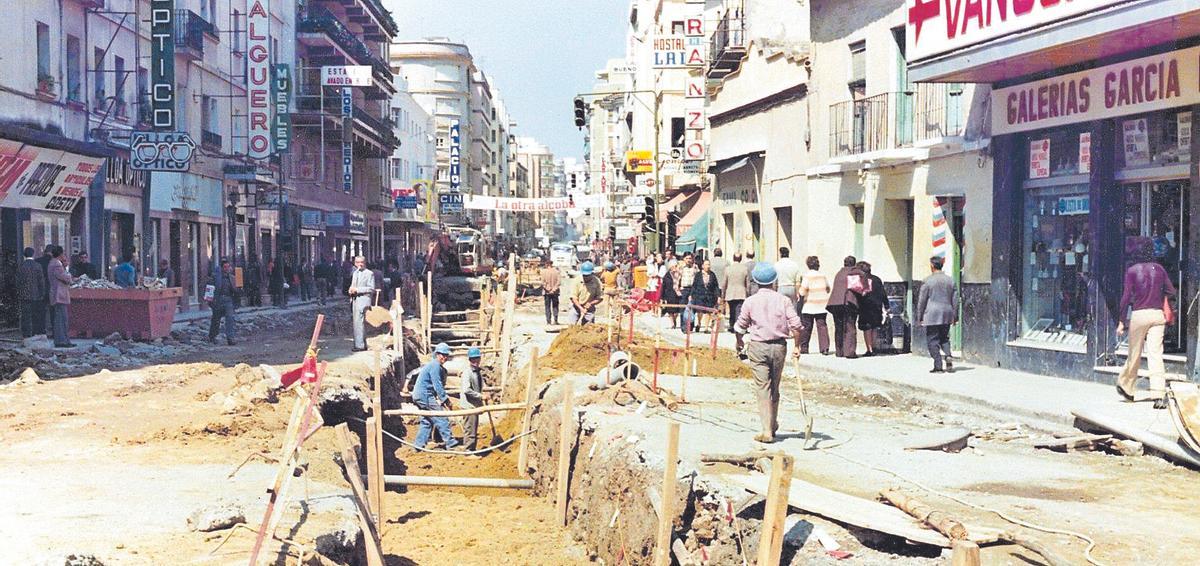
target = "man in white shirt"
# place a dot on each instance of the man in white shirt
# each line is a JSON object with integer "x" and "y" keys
{"x": 362, "y": 288}
{"x": 789, "y": 274}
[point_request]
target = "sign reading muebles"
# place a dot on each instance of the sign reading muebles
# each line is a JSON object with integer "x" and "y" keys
{"x": 44, "y": 179}
{"x": 1141, "y": 85}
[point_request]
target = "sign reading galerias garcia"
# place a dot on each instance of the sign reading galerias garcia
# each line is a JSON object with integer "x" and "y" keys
{"x": 1151, "y": 83}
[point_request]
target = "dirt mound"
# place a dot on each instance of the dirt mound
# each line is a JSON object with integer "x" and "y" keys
{"x": 585, "y": 349}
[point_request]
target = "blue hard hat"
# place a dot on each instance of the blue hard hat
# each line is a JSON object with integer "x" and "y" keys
{"x": 443, "y": 349}
{"x": 474, "y": 353}
{"x": 764, "y": 273}
{"x": 587, "y": 268}
{"x": 609, "y": 265}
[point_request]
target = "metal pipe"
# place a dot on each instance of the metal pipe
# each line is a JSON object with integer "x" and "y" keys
{"x": 458, "y": 482}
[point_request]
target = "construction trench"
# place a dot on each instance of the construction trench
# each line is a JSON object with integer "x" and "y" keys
{"x": 850, "y": 494}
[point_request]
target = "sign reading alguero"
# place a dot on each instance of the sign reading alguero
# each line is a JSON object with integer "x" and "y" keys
{"x": 935, "y": 27}
{"x": 1141, "y": 85}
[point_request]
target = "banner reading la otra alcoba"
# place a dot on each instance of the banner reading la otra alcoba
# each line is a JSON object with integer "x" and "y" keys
{"x": 545, "y": 204}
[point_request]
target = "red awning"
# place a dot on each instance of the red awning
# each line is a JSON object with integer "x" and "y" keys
{"x": 677, "y": 202}
{"x": 703, "y": 203}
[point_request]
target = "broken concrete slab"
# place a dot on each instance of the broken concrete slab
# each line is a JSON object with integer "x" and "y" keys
{"x": 219, "y": 516}
{"x": 952, "y": 439}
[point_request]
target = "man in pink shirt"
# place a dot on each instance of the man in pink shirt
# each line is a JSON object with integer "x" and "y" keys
{"x": 768, "y": 318}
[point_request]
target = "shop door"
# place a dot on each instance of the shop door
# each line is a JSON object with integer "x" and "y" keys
{"x": 176, "y": 251}
{"x": 1155, "y": 210}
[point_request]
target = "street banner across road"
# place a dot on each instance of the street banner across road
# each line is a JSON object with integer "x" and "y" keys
{"x": 547, "y": 204}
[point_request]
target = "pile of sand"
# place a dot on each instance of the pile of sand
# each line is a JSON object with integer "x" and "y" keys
{"x": 585, "y": 349}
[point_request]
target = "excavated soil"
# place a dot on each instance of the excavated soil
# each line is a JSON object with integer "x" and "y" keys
{"x": 585, "y": 349}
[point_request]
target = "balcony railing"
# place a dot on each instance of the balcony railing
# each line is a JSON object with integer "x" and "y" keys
{"x": 211, "y": 140}
{"x": 190, "y": 30}
{"x": 728, "y": 44}
{"x": 896, "y": 119}
{"x": 321, "y": 20}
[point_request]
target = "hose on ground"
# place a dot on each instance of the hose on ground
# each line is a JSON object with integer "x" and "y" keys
{"x": 451, "y": 452}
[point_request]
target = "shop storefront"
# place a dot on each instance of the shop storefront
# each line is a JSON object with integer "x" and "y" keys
{"x": 1085, "y": 162}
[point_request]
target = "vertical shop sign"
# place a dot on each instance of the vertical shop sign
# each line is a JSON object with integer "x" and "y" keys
{"x": 1137, "y": 142}
{"x": 1039, "y": 159}
{"x": 1085, "y": 152}
{"x": 281, "y": 94}
{"x": 347, "y": 140}
{"x": 455, "y": 155}
{"x": 1183, "y": 121}
{"x": 258, "y": 73}
{"x": 162, "y": 64}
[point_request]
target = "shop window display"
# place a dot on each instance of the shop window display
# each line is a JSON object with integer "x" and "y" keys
{"x": 1154, "y": 140}
{"x": 1056, "y": 270}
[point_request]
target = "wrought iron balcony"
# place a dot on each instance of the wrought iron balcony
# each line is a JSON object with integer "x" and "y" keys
{"x": 896, "y": 119}
{"x": 190, "y": 30}
{"x": 210, "y": 140}
{"x": 321, "y": 20}
{"x": 727, "y": 45}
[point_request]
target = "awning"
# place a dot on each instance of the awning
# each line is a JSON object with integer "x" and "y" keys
{"x": 736, "y": 164}
{"x": 694, "y": 238}
{"x": 698, "y": 210}
{"x": 675, "y": 203}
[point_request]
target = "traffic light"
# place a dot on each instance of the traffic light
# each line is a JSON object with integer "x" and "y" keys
{"x": 649, "y": 223}
{"x": 612, "y": 233}
{"x": 672, "y": 224}
{"x": 580, "y": 113}
{"x": 574, "y": 183}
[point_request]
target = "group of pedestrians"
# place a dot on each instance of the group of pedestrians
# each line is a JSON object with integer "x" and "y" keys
{"x": 44, "y": 291}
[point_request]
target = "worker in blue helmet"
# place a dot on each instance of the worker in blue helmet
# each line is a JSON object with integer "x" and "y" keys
{"x": 429, "y": 394}
{"x": 587, "y": 294}
{"x": 471, "y": 395}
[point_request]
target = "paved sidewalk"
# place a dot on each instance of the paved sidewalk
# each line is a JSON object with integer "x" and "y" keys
{"x": 1037, "y": 401}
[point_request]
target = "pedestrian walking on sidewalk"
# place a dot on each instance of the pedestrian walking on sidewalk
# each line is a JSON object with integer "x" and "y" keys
{"x": 275, "y": 283}
{"x": 587, "y": 294}
{"x": 222, "y": 304}
{"x": 937, "y": 309}
{"x": 670, "y": 295}
{"x": 362, "y": 292}
{"x": 429, "y": 392}
{"x": 750, "y": 264}
{"x": 719, "y": 265}
{"x": 872, "y": 308}
{"x": 814, "y": 294}
{"x": 31, "y": 292}
{"x": 704, "y": 292}
{"x": 789, "y": 275}
{"x": 767, "y": 320}
{"x": 735, "y": 287}
{"x": 47, "y": 320}
{"x": 1145, "y": 313}
{"x": 848, "y": 286}
{"x": 472, "y": 396}
{"x": 60, "y": 296}
{"x": 551, "y": 287}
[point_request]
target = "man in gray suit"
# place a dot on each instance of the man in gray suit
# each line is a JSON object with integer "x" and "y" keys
{"x": 362, "y": 288}
{"x": 735, "y": 287}
{"x": 937, "y": 309}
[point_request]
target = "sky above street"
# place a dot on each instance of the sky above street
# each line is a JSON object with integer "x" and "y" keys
{"x": 539, "y": 53}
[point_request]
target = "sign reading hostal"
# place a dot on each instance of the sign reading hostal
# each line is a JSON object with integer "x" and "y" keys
{"x": 1142, "y": 85}
{"x": 44, "y": 179}
{"x": 935, "y": 27}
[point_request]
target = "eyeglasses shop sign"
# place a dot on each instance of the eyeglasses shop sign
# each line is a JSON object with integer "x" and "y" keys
{"x": 1151, "y": 83}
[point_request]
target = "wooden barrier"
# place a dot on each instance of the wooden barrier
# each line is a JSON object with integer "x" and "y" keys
{"x": 566, "y": 435}
{"x": 459, "y": 482}
{"x": 666, "y": 515}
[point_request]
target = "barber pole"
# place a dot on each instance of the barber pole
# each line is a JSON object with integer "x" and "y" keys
{"x": 258, "y": 71}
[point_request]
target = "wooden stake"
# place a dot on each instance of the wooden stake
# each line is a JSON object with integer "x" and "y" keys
{"x": 964, "y": 553}
{"x": 523, "y": 451}
{"x": 348, "y": 445}
{"x": 375, "y": 429}
{"x": 398, "y": 325}
{"x": 506, "y": 340}
{"x": 566, "y": 437}
{"x": 770, "y": 545}
{"x": 429, "y": 309}
{"x": 666, "y": 515}
{"x": 373, "y": 473}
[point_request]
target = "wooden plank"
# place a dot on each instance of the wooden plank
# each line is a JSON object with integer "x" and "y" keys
{"x": 964, "y": 553}
{"x": 845, "y": 508}
{"x": 352, "y": 470}
{"x": 566, "y": 441}
{"x": 455, "y": 412}
{"x": 1073, "y": 443}
{"x": 375, "y": 429}
{"x": 460, "y": 482}
{"x": 1159, "y": 443}
{"x": 666, "y": 515}
{"x": 523, "y": 450}
{"x": 373, "y": 473}
{"x": 770, "y": 546}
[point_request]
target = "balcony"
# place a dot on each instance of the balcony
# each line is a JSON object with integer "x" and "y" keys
{"x": 210, "y": 140}
{"x": 322, "y": 22}
{"x": 728, "y": 45}
{"x": 190, "y": 30}
{"x": 47, "y": 87}
{"x": 894, "y": 120}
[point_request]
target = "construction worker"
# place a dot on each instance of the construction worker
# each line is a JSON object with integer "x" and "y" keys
{"x": 610, "y": 279}
{"x": 472, "y": 396}
{"x": 429, "y": 394}
{"x": 587, "y": 294}
{"x": 769, "y": 318}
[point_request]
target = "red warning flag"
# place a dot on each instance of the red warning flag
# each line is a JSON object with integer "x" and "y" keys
{"x": 307, "y": 372}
